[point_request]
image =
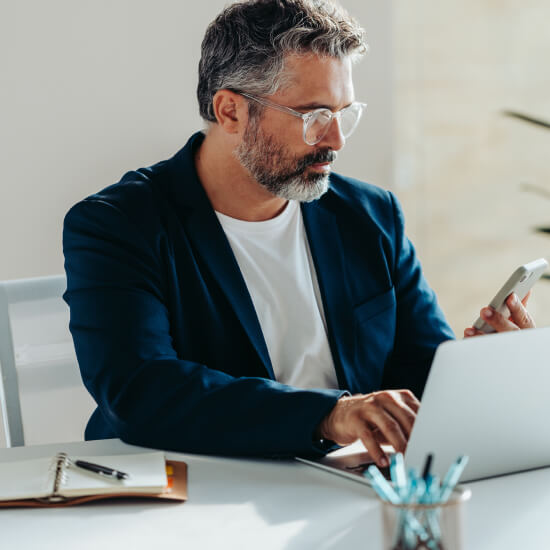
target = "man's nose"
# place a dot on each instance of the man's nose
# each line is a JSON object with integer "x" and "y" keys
{"x": 333, "y": 139}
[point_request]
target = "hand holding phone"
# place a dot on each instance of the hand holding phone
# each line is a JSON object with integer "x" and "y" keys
{"x": 520, "y": 282}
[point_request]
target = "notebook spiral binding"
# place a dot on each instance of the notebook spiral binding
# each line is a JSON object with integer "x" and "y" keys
{"x": 58, "y": 475}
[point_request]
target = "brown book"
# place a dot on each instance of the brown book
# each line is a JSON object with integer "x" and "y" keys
{"x": 59, "y": 481}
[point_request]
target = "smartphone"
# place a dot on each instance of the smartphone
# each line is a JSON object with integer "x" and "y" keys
{"x": 520, "y": 282}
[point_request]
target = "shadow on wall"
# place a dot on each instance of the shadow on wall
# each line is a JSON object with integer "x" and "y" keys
{"x": 539, "y": 189}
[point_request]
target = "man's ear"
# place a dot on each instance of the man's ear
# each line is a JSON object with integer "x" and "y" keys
{"x": 231, "y": 111}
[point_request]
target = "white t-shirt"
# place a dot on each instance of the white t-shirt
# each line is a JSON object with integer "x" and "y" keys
{"x": 275, "y": 260}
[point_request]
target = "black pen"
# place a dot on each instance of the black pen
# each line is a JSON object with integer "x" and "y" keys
{"x": 427, "y": 466}
{"x": 101, "y": 470}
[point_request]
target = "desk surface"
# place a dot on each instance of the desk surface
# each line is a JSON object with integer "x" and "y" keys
{"x": 251, "y": 504}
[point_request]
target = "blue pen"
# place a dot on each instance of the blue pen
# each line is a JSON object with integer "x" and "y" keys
{"x": 381, "y": 486}
{"x": 431, "y": 490}
{"x": 408, "y": 518}
{"x": 419, "y": 491}
{"x": 398, "y": 474}
{"x": 452, "y": 477}
{"x": 431, "y": 496}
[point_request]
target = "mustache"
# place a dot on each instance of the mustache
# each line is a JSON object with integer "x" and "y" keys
{"x": 319, "y": 157}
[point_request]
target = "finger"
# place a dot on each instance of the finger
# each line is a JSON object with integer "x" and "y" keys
{"x": 395, "y": 404}
{"x": 410, "y": 400}
{"x": 379, "y": 436}
{"x": 518, "y": 313}
{"x": 388, "y": 426}
{"x": 526, "y": 298}
{"x": 414, "y": 406}
{"x": 497, "y": 320}
{"x": 470, "y": 332}
{"x": 371, "y": 444}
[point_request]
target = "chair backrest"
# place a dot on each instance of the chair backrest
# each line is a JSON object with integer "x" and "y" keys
{"x": 42, "y": 395}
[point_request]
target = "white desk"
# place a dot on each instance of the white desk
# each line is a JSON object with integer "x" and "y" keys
{"x": 261, "y": 504}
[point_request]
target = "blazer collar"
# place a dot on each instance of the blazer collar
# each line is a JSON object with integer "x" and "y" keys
{"x": 205, "y": 232}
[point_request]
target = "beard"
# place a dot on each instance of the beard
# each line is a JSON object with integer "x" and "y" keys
{"x": 279, "y": 171}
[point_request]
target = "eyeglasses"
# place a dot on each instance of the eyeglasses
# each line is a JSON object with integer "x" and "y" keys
{"x": 317, "y": 122}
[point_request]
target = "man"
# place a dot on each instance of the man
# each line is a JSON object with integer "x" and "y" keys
{"x": 230, "y": 299}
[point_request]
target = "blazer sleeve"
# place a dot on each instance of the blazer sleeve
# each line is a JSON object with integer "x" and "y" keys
{"x": 420, "y": 322}
{"x": 146, "y": 393}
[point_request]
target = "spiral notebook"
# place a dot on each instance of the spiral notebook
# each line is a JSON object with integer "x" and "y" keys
{"x": 57, "y": 481}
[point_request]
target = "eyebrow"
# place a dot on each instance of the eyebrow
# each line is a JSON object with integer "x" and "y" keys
{"x": 313, "y": 106}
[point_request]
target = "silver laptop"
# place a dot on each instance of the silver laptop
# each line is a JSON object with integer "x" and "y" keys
{"x": 486, "y": 397}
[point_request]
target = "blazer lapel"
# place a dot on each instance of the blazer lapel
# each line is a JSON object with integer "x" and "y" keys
{"x": 208, "y": 238}
{"x": 326, "y": 249}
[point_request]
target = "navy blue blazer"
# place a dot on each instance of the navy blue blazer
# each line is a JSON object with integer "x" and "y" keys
{"x": 166, "y": 335}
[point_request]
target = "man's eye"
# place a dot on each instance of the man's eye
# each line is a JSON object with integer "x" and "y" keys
{"x": 325, "y": 114}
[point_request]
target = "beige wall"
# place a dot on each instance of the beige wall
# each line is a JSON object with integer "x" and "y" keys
{"x": 90, "y": 90}
{"x": 459, "y": 161}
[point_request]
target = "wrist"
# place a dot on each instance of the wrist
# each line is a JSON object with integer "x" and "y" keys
{"x": 325, "y": 429}
{"x": 321, "y": 430}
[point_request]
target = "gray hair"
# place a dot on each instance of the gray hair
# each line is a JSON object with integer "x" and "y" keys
{"x": 244, "y": 48}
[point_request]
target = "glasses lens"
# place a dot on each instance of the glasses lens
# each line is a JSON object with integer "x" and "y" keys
{"x": 319, "y": 122}
{"x": 350, "y": 118}
{"x": 317, "y": 126}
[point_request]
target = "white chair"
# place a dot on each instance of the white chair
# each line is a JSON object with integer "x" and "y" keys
{"x": 42, "y": 395}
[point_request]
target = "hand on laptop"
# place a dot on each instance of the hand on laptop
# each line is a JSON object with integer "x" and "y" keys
{"x": 384, "y": 417}
{"x": 519, "y": 317}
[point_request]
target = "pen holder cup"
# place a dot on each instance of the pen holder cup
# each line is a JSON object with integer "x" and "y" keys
{"x": 426, "y": 526}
